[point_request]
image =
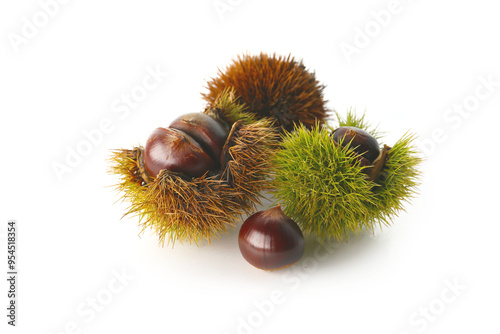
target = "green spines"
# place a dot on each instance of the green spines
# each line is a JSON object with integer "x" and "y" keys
{"x": 400, "y": 178}
{"x": 323, "y": 188}
{"x": 226, "y": 108}
{"x": 351, "y": 119}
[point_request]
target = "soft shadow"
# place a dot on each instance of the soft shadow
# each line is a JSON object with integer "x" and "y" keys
{"x": 328, "y": 253}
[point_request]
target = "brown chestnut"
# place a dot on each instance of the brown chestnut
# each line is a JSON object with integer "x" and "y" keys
{"x": 208, "y": 132}
{"x": 176, "y": 151}
{"x": 359, "y": 140}
{"x": 270, "y": 240}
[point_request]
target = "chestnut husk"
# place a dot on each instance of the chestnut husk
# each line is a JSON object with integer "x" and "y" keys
{"x": 193, "y": 209}
{"x": 273, "y": 86}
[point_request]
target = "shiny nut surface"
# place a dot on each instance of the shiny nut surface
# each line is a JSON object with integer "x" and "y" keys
{"x": 359, "y": 140}
{"x": 208, "y": 132}
{"x": 270, "y": 240}
{"x": 175, "y": 151}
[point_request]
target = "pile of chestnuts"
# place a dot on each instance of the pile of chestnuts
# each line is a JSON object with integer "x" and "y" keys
{"x": 264, "y": 130}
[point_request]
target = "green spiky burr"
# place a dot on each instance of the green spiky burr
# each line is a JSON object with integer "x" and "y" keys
{"x": 326, "y": 190}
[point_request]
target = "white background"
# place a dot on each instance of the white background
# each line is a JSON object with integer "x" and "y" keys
{"x": 66, "y": 77}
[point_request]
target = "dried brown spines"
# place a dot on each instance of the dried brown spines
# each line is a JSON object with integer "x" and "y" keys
{"x": 196, "y": 209}
{"x": 273, "y": 86}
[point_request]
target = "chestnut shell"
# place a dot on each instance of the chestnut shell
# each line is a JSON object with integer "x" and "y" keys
{"x": 207, "y": 131}
{"x": 176, "y": 151}
{"x": 359, "y": 140}
{"x": 270, "y": 240}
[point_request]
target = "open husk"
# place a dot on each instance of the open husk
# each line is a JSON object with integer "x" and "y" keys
{"x": 185, "y": 209}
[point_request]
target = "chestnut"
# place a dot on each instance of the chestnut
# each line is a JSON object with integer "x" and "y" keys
{"x": 270, "y": 240}
{"x": 207, "y": 131}
{"x": 359, "y": 140}
{"x": 176, "y": 151}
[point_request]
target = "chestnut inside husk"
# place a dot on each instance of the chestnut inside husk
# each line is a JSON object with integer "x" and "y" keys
{"x": 175, "y": 151}
{"x": 329, "y": 193}
{"x": 193, "y": 208}
{"x": 365, "y": 148}
{"x": 361, "y": 142}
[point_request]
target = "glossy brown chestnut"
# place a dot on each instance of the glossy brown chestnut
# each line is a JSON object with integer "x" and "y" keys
{"x": 208, "y": 132}
{"x": 270, "y": 240}
{"x": 360, "y": 141}
{"x": 176, "y": 151}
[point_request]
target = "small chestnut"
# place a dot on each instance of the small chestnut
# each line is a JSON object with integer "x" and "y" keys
{"x": 176, "y": 151}
{"x": 207, "y": 131}
{"x": 360, "y": 141}
{"x": 270, "y": 240}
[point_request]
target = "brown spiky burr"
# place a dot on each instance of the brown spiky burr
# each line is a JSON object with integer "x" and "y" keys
{"x": 277, "y": 87}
